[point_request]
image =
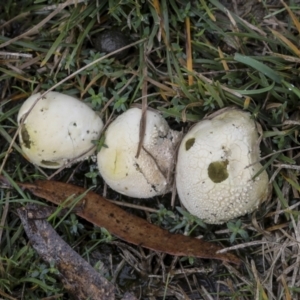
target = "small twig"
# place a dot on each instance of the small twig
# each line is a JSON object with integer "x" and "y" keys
{"x": 288, "y": 209}
{"x": 285, "y": 166}
{"x": 155, "y": 162}
{"x": 8, "y": 297}
{"x": 241, "y": 246}
{"x": 16, "y": 54}
{"x": 4, "y": 215}
{"x": 143, "y": 121}
{"x": 53, "y": 297}
{"x": 234, "y": 271}
{"x": 273, "y": 153}
{"x": 206, "y": 293}
{"x": 51, "y": 7}
{"x": 256, "y": 277}
{"x": 14, "y": 19}
{"x": 135, "y": 206}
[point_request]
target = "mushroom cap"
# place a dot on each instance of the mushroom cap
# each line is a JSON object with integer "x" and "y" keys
{"x": 151, "y": 173}
{"x": 59, "y": 128}
{"x": 217, "y": 161}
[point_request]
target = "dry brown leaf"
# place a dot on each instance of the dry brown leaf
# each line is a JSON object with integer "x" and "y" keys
{"x": 124, "y": 225}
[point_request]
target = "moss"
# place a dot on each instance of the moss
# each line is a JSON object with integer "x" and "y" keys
{"x": 217, "y": 171}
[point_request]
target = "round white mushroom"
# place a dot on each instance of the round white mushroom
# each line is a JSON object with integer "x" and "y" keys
{"x": 216, "y": 168}
{"x": 58, "y": 129}
{"x": 151, "y": 173}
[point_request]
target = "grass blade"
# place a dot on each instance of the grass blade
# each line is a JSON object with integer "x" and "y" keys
{"x": 253, "y": 63}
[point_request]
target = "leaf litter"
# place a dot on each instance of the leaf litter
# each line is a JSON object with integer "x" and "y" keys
{"x": 266, "y": 33}
{"x": 99, "y": 211}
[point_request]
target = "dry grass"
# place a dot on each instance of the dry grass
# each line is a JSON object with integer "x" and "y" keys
{"x": 186, "y": 60}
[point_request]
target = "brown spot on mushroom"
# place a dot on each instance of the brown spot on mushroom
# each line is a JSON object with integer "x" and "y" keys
{"x": 217, "y": 171}
{"x": 49, "y": 163}
{"x": 189, "y": 144}
{"x": 25, "y": 137}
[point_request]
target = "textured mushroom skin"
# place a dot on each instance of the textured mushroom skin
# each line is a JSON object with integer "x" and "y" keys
{"x": 213, "y": 177}
{"x": 151, "y": 173}
{"x": 58, "y": 129}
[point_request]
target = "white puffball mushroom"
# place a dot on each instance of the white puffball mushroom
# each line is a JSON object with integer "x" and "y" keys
{"x": 217, "y": 161}
{"x": 151, "y": 173}
{"x": 59, "y": 129}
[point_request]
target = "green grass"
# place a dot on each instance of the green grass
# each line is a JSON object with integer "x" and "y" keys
{"x": 250, "y": 61}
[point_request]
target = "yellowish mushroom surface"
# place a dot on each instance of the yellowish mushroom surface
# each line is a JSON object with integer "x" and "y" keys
{"x": 151, "y": 173}
{"x": 58, "y": 129}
